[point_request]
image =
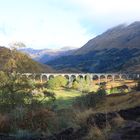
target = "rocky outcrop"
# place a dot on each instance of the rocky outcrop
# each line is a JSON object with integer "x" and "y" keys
{"x": 130, "y": 131}
{"x": 130, "y": 114}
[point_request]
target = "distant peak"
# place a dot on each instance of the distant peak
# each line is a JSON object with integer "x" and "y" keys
{"x": 66, "y": 48}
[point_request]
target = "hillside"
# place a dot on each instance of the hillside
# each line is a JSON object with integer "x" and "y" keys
{"x": 119, "y": 37}
{"x": 24, "y": 62}
{"x": 115, "y": 118}
{"x": 117, "y": 49}
{"x": 45, "y": 55}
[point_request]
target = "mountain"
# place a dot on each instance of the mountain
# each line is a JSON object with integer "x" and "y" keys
{"x": 117, "y": 49}
{"x": 23, "y": 62}
{"x": 119, "y": 37}
{"x": 45, "y": 55}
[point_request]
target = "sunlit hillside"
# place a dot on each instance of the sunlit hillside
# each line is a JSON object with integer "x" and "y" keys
{"x": 24, "y": 62}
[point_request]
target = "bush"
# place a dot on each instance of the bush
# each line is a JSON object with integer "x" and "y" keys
{"x": 95, "y": 134}
{"x": 82, "y": 85}
{"x": 89, "y": 100}
{"x": 50, "y": 95}
{"x": 57, "y": 82}
{"x": 15, "y": 91}
{"x": 75, "y": 85}
{"x": 3, "y": 78}
{"x": 4, "y": 124}
{"x": 138, "y": 86}
{"x": 101, "y": 91}
{"x": 39, "y": 85}
{"x": 82, "y": 116}
{"x": 41, "y": 120}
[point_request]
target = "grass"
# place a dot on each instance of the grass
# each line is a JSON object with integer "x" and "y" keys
{"x": 67, "y": 115}
{"x": 65, "y": 98}
{"x": 119, "y": 101}
{"x": 114, "y": 102}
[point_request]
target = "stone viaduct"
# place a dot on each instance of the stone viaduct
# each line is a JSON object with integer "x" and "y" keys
{"x": 92, "y": 76}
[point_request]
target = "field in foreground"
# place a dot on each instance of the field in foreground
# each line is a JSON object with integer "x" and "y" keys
{"x": 65, "y": 113}
{"x": 108, "y": 119}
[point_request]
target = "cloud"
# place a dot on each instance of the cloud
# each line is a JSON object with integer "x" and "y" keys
{"x": 52, "y": 25}
{"x": 110, "y": 12}
{"x": 43, "y": 24}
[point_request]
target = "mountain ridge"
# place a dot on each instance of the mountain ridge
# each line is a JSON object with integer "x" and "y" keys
{"x": 114, "y": 50}
{"x": 45, "y": 55}
{"x": 122, "y": 33}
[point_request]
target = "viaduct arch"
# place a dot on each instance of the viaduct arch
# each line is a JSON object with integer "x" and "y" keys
{"x": 91, "y": 76}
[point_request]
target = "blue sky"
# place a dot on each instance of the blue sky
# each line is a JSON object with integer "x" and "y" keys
{"x": 58, "y": 23}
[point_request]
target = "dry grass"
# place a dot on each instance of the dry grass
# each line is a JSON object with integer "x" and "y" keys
{"x": 117, "y": 102}
{"x": 81, "y": 116}
{"x": 115, "y": 84}
{"x": 38, "y": 120}
{"x": 117, "y": 122}
{"x": 4, "y": 124}
{"x": 95, "y": 134}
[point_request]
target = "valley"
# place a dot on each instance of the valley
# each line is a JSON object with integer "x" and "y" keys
{"x": 69, "y": 70}
{"x": 80, "y": 94}
{"x": 52, "y": 109}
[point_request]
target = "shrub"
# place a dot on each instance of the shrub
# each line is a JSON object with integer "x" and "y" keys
{"x": 3, "y": 78}
{"x": 15, "y": 91}
{"x": 117, "y": 122}
{"x": 39, "y": 85}
{"x": 4, "y": 124}
{"x": 57, "y": 82}
{"x": 66, "y": 119}
{"x": 138, "y": 86}
{"x": 82, "y": 85}
{"x": 50, "y": 95}
{"x": 113, "y": 90}
{"x": 75, "y": 85}
{"x": 95, "y": 134}
{"x": 89, "y": 100}
{"x": 82, "y": 116}
{"x": 41, "y": 120}
{"x": 101, "y": 91}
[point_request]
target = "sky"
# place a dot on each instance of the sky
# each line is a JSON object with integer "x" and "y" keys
{"x": 55, "y": 24}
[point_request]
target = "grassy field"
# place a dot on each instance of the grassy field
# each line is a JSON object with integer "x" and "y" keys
{"x": 65, "y": 97}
